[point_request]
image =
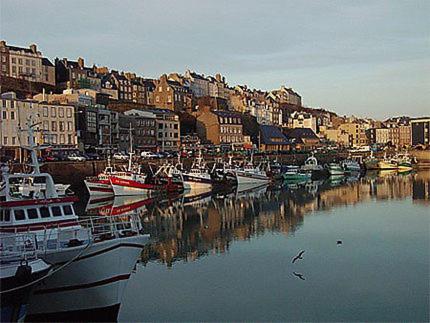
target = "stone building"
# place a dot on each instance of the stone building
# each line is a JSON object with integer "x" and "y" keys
{"x": 25, "y": 63}
{"x": 219, "y": 127}
{"x": 171, "y": 95}
{"x": 123, "y": 85}
{"x": 199, "y": 84}
{"x": 144, "y": 129}
{"x": 74, "y": 75}
{"x": 356, "y": 132}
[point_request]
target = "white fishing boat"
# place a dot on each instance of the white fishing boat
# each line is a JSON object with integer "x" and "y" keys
{"x": 91, "y": 259}
{"x": 311, "y": 165}
{"x": 350, "y": 165}
{"x": 251, "y": 175}
{"x": 198, "y": 177}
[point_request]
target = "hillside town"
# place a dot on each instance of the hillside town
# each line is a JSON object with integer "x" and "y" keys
{"x": 93, "y": 110}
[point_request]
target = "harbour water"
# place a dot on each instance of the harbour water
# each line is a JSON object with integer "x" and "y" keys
{"x": 228, "y": 257}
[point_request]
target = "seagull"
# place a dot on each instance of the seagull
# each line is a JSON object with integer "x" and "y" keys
{"x": 299, "y": 256}
{"x": 299, "y": 275}
{"x": 339, "y": 241}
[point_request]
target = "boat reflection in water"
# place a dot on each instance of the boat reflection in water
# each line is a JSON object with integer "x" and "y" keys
{"x": 187, "y": 231}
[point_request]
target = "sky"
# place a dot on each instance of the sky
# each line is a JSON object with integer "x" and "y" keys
{"x": 363, "y": 58}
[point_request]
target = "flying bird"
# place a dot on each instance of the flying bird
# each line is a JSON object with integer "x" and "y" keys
{"x": 339, "y": 241}
{"x": 299, "y": 275}
{"x": 299, "y": 256}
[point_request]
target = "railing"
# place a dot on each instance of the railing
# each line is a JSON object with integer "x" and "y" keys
{"x": 18, "y": 247}
{"x": 80, "y": 232}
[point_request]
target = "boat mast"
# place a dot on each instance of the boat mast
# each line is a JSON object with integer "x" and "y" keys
{"x": 131, "y": 149}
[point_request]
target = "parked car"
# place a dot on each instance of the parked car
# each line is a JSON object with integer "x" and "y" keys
{"x": 75, "y": 157}
{"x": 148, "y": 154}
{"x": 92, "y": 156}
{"x": 120, "y": 156}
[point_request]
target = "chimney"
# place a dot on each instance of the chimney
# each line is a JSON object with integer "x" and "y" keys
{"x": 81, "y": 62}
{"x": 65, "y": 61}
{"x": 33, "y": 48}
{"x": 218, "y": 77}
{"x": 2, "y": 43}
{"x": 43, "y": 94}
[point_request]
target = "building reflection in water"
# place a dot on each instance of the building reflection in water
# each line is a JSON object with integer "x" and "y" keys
{"x": 185, "y": 229}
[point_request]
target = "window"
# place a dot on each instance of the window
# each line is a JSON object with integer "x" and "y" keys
{"x": 32, "y": 213}
{"x": 61, "y": 126}
{"x": 44, "y": 212}
{"x": 61, "y": 112}
{"x": 169, "y": 99}
{"x": 56, "y": 211}
{"x": 69, "y": 126}
{"x": 69, "y": 112}
{"x": 4, "y": 115}
{"x": 14, "y": 69}
{"x": 53, "y": 112}
{"x": 54, "y": 126}
{"x": 20, "y": 61}
{"x": 45, "y": 111}
{"x": 12, "y": 115}
{"x": 13, "y": 141}
{"x": 45, "y": 125}
{"x": 13, "y": 60}
{"x": 5, "y": 215}
{"x": 160, "y": 89}
{"x": 27, "y": 62}
{"x": 5, "y": 141}
{"x": 67, "y": 209}
{"x": 62, "y": 139}
{"x": 157, "y": 99}
{"x": 33, "y": 63}
{"x": 19, "y": 215}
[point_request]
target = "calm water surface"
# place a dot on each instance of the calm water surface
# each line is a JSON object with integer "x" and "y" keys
{"x": 228, "y": 257}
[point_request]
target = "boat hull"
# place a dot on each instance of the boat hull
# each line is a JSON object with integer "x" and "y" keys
{"x": 96, "y": 279}
{"x": 99, "y": 187}
{"x": 244, "y": 178}
{"x": 127, "y": 187}
{"x": 196, "y": 183}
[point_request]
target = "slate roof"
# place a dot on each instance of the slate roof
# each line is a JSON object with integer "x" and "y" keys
{"x": 269, "y": 132}
{"x": 299, "y": 133}
{"x": 46, "y": 62}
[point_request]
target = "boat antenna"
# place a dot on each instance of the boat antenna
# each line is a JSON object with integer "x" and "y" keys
{"x": 32, "y": 146}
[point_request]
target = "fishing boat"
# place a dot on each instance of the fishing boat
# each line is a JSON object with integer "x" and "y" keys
{"x": 223, "y": 173}
{"x": 350, "y": 165}
{"x": 100, "y": 185}
{"x": 335, "y": 169}
{"x": 93, "y": 256}
{"x": 387, "y": 163}
{"x": 314, "y": 169}
{"x": 403, "y": 162}
{"x": 251, "y": 175}
{"x": 199, "y": 176}
{"x": 294, "y": 173}
{"x": 371, "y": 162}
